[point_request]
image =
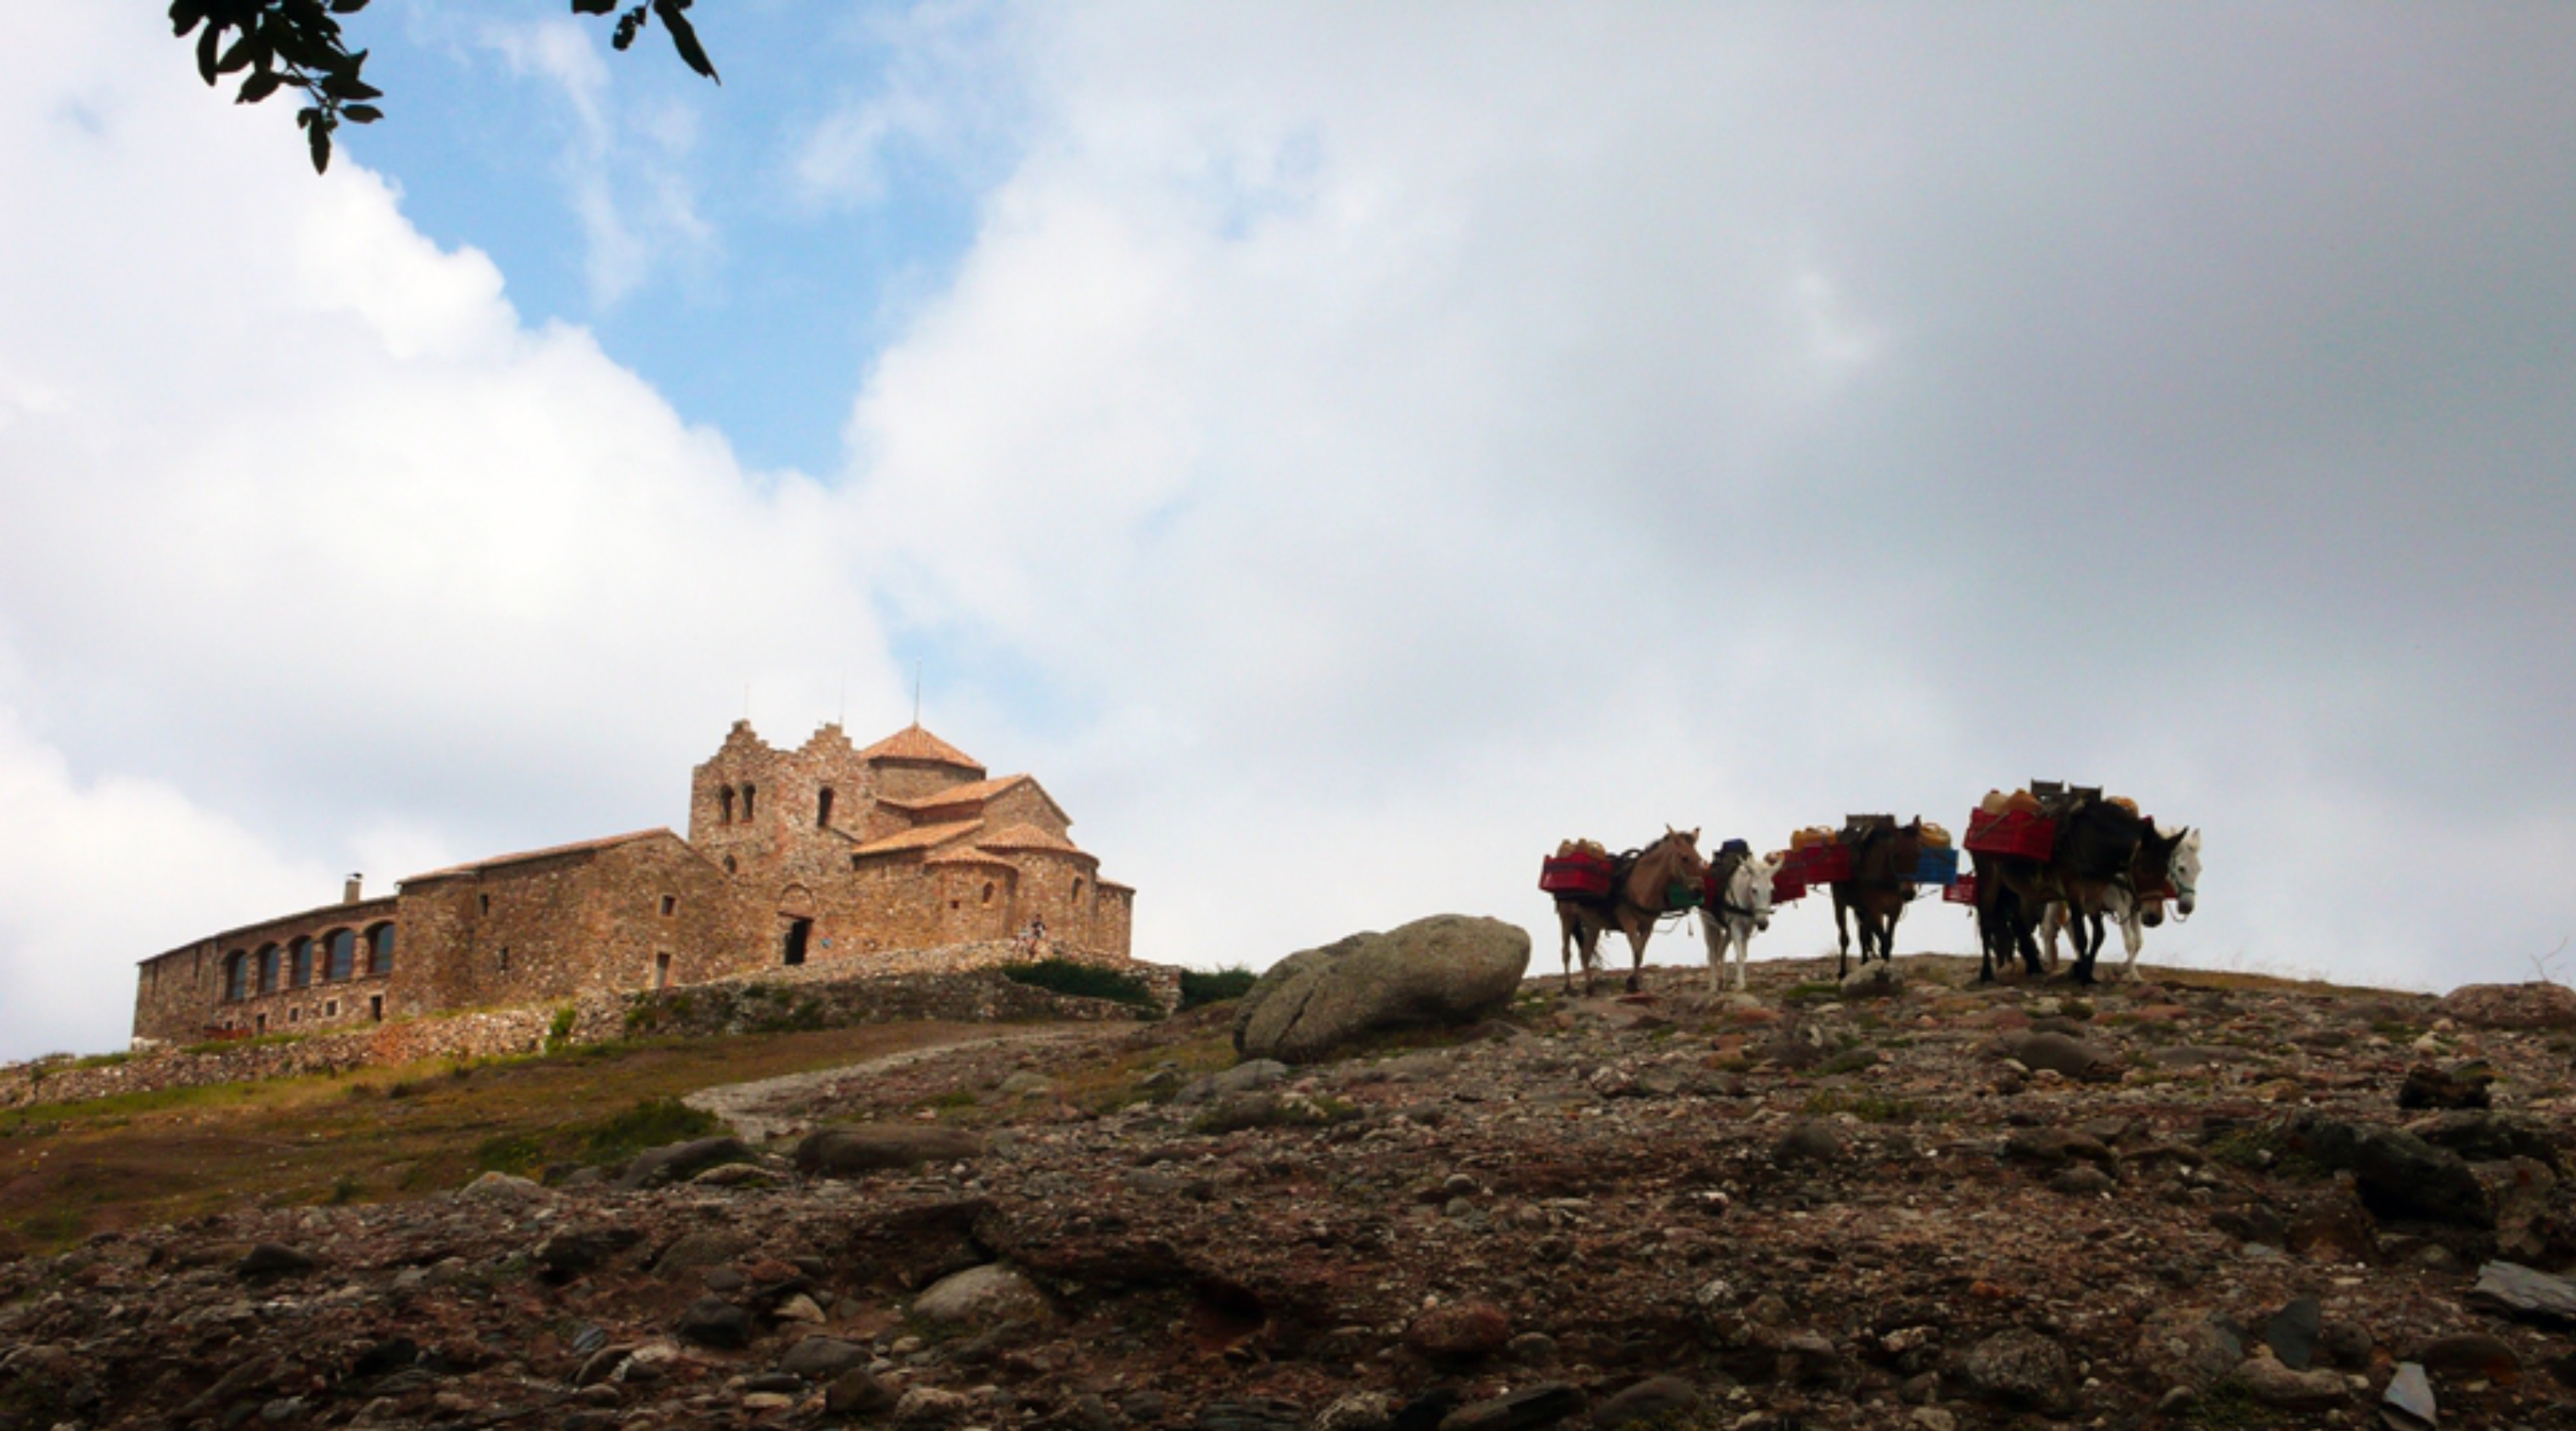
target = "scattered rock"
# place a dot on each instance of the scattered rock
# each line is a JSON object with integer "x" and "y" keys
{"x": 1808, "y": 1140}
{"x": 2460, "y": 1086}
{"x": 273, "y": 1259}
{"x": 823, "y": 1358}
{"x": 2020, "y": 1368}
{"x": 849, "y": 1152}
{"x": 677, "y": 1162}
{"x": 1258, "y": 1414}
{"x": 1448, "y": 970}
{"x": 2470, "y": 1356}
{"x": 2062, "y": 1054}
{"x": 2292, "y": 1333}
{"x": 1656, "y": 1396}
{"x": 981, "y": 1297}
{"x": 858, "y": 1393}
{"x": 1526, "y": 1409}
{"x": 714, "y": 1322}
{"x": 2273, "y": 1384}
{"x": 1459, "y": 1331}
{"x": 2523, "y": 1293}
{"x": 2408, "y": 1404}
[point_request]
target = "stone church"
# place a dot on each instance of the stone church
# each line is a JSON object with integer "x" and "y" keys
{"x": 823, "y": 855}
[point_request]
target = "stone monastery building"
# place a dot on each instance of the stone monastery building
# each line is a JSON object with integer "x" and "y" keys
{"x": 821, "y": 855}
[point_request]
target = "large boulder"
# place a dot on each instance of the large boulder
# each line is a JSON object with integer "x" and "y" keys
{"x": 1446, "y": 970}
{"x": 2538, "y": 1005}
{"x": 2398, "y": 1174}
{"x": 875, "y": 1147}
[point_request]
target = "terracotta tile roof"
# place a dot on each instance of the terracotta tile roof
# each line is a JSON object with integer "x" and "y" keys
{"x": 1027, "y": 837}
{"x": 923, "y": 838}
{"x": 914, "y": 743}
{"x": 973, "y": 855}
{"x": 578, "y": 847}
{"x": 976, "y": 791}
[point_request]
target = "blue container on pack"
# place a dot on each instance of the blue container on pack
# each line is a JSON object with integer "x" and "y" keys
{"x": 1937, "y": 866}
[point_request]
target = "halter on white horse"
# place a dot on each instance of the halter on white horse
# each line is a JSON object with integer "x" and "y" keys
{"x": 1743, "y": 910}
{"x": 2122, "y": 906}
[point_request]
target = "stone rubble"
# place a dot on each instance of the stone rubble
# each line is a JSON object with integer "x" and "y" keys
{"x": 2020, "y": 1205}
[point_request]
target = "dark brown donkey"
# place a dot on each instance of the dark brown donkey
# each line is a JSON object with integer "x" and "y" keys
{"x": 2097, "y": 843}
{"x": 1640, "y": 893}
{"x": 1884, "y": 854}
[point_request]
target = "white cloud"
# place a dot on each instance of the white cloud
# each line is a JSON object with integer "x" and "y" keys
{"x": 96, "y": 888}
{"x": 626, "y": 174}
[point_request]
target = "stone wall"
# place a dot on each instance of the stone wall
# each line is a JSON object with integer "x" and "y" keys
{"x": 588, "y": 920}
{"x": 960, "y": 984}
{"x": 179, "y": 996}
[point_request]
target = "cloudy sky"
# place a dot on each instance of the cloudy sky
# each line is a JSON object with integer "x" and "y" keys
{"x": 1341, "y": 450}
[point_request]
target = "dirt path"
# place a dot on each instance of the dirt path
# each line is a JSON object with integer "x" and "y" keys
{"x": 786, "y": 1106}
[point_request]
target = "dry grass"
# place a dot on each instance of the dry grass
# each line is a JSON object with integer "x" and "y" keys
{"x": 69, "y": 1170}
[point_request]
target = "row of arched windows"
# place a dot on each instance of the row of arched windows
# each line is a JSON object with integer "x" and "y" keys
{"x": 729, "y": 810}
{"x": 302, "y": 962}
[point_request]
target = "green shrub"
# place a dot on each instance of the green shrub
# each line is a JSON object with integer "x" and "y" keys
{"x": 1083, "y": 981}
{"x": 513, "y": 1153}
{"x": 652, "y": 1123}
{"x": 1215, "y": 986}
{"x": 559, "y": 1032}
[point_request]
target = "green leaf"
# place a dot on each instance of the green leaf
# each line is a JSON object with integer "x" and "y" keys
{"x": 185, "y": 15}
{"x": 362, "y": 114}
{"x": 259, "y": 86}
{"x": 317, "y": 137}
{"x": 586, "y": 7}
{"x": 627, "y": 25}
{"x": 206, "y": 51}
{"x": 349, "y": 86}
{"x": 347, "y": 7}
{"x": 684, "y": 37}
{"x": 236, "y": 56}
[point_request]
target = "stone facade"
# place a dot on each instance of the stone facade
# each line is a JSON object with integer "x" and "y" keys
{"x": 824, "y": 855}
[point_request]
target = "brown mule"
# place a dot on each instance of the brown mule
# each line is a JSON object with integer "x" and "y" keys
{"x": 1640, "y": 894}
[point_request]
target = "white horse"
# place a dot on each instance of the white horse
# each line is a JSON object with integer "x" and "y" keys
{"x": 1742, "y": 909}
{"x": 2136, "y": 916}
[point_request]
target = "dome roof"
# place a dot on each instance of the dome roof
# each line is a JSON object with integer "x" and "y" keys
{"x": 914, "y": 743}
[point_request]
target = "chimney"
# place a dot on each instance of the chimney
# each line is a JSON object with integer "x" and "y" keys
{"x": 349, "y": 891}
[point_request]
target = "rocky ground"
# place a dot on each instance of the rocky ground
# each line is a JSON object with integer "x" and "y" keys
{"x": 2149, "y": 1204}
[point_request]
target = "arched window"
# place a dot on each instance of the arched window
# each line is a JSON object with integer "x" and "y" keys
{"x": 268, "y": 968}
{"x": 1077, "y": 889}
{"x": 380, "y": 949}
{"x": 236, "y": 976}
{"x": 988, "y": 891}
{"x": 344, "y": 954}
{"x": 750, "y": 795}
{"x": 724, "y": 804}
{"x": 299, "y": 961}
{"x": 823, "y": 809}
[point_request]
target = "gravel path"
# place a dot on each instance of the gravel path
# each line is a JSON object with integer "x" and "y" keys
{"x": 783, "y": 1107}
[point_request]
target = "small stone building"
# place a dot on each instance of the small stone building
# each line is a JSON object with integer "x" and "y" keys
{"x": 825, "y": 854}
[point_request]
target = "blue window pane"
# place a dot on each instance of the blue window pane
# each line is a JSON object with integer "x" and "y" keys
{"x": 380, "y": 957}
{"x": 344, "y": 954}
{"x": 300, "y": 962}
{"x": 268, "y": 969}
{"x": 237, "y": 977}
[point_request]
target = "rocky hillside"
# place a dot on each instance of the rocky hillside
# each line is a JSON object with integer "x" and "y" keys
{"x": 1929, "y": 1205}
